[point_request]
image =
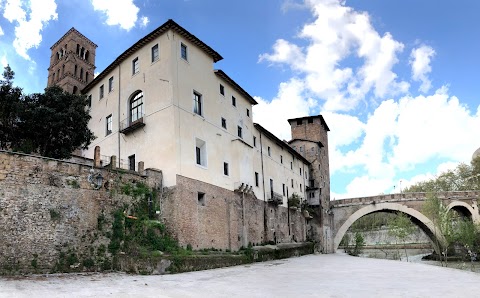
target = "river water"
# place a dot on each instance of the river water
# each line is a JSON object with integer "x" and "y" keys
{"x": 415, "y": 255}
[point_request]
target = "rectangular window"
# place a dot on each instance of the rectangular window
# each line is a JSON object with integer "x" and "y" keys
{"x": 234, "y": 101}
{"x": 200, "y": 152}
{"x": 131, "y": 162}
{"x": 281, "y": 159}
{"x": 271, "y": 188}
{"x": 248, "y": 113}
{"x": 300, "y": 171}
{"x": 283, "y": 187}
{"x": 256, "y": 179}
{"x": 310, "y": 120}
{"x": 197, "y": 103}
{"x": 110, "y": 84}
{"x": 301, "y": 190}
{"x": 239, "y": 132}
{"x": 225, "y": 168}
{"x": 135, "y": 66}
{"x": 254, "y": 141}
{"x": 109, "y": 124}
{"x": 269, "y": 151}
{"x": 183, "y": 51}
{"x": 155, "y": 53}
{"x": 222, "y": 90}
{"x": 292, "y": 183}
{"x": 101, "y": 92}
{"x": 312, "y": 183}
{"x": 224, "y": 123}
{"x": 291, "y": 165}
{"x": 89, "y": 101}
{"x": 201, "y": 198}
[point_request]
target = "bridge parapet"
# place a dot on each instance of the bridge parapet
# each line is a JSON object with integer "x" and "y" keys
{"x": 408, "y": 196}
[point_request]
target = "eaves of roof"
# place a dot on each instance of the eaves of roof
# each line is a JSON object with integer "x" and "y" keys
{"x": 237, "y": 87}
{"x": 169, "y": 25}
{"x": 280, "y": 142}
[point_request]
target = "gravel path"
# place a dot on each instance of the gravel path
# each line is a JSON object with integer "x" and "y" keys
{"x": 334, "y": 275}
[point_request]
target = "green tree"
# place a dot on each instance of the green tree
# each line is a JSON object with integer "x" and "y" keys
{"x": 10, "y": 107}
{"x": 401, "y": 227}
{"x": 467, "y": 235}
{"x": 55, "y": 122}
{"x": 438, "y": 213}
{"x": 463, "y": 177}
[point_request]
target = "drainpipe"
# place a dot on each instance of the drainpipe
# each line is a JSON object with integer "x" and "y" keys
{"x": 265, "y": 218}
{"x": 119, "y": 121}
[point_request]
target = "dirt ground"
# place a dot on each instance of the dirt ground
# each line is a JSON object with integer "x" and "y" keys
{"x": 335, "y": 275}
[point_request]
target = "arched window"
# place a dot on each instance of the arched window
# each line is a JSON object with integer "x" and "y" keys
{"x": 63, "y": 69}
{"x": 81, "y": 73}
{"x": 86, "y": 77}
{"x": 86, "y": 55}
{"x": 82, "y": 52}
{"x": 136, "y": 107}
{"x": 78, "y": 49}
{"x": 75, "y": 89}
{"x": 75, "y": 73}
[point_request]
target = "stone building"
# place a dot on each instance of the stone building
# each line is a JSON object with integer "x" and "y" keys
{"x": 229, "y": 179}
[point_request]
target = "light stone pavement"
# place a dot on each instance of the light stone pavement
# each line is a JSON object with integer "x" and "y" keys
{"x": 335, "y": 275}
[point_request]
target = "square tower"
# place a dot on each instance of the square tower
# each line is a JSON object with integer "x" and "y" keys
{"x": 72, "y": 62}
{"x": 310, "y": 139}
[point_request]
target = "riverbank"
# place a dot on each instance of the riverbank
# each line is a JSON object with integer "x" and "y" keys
{"x": 335, "y": 275}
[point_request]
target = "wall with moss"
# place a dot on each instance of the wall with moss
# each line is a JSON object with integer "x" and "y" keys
{"x": 52, "y": 219}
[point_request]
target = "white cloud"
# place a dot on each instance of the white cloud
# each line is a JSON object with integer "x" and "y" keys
{"x": 420, "y": 59}
{"x": 31, "y": 17}
{"x": 289, "y": 103}
{"x": 337, "y": 34}
{"x": 123, "y": 13}
{"x": 144, "y": 21}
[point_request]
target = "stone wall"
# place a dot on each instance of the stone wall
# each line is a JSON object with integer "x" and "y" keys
{"x": 225, "y": 219}
{"x": 49, "y": 212}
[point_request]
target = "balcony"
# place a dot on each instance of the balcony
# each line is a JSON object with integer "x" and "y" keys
{"x": 275, "y": 198}
{"x": 127, "y": 126}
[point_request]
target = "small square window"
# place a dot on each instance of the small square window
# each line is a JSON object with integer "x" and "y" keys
{"x": 222, "y": 90}
{"x": 225, "y": 168}
{"x": 224, "y": 123}
{"x": 183, "y": 51}
{"x": 135, "y": 66}
{"x": 248, "y": 113}
{"x": 299, "y": 122}
{"x": 155, "y": 53}
{"x": 239, "y": 132}
{"x": 110, "y": 84}
{"x": 201, "y": 198}
{"x": 101, "y": 92}
{"x": 109, "y": 123}
{"x": 234, "y": 101}
{"x": 310, "y": 120}
{"x": 256, "y": 179}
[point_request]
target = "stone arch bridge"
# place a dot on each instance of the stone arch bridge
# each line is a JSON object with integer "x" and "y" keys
{"x": 343, "y": 213}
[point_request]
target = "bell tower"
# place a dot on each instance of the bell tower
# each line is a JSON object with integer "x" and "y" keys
{"x": 72, "y": 63}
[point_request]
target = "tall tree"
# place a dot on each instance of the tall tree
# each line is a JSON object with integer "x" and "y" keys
{"x": 55, "y": 123}
{"x": 10, "y": 107}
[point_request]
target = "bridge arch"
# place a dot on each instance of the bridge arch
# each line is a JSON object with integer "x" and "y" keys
{"x": 418, "y": 218}
{"x": 465, "y": 209}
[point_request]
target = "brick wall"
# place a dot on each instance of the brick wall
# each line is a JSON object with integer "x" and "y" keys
{"x": 217, "y": 222}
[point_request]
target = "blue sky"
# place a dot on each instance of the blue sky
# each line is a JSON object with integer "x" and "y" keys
{"x": 397, "y": 81}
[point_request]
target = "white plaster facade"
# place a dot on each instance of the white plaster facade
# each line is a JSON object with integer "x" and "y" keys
{"x": 171, "y": 126}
